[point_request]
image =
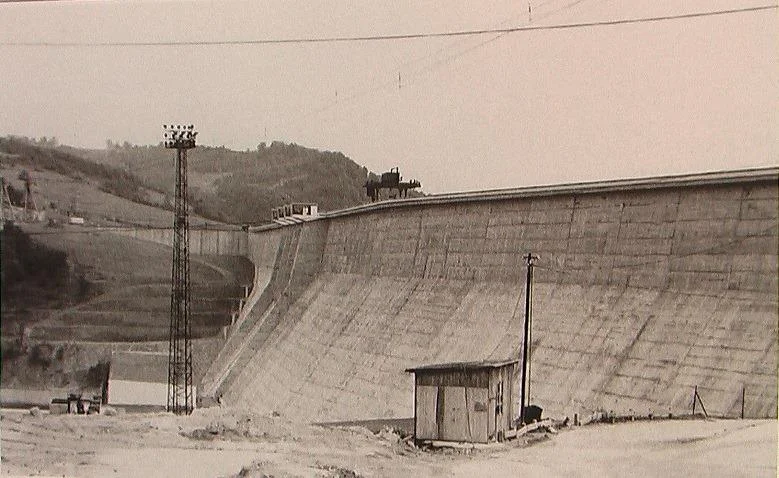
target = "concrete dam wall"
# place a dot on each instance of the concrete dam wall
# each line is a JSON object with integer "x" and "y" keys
{"x": 224, "y": 241}
{"x": 644, "y": 289}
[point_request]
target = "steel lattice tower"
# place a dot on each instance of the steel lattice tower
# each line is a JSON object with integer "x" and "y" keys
{"x": 181, "y": 398}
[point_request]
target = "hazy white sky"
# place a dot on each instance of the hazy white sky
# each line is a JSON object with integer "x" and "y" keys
{"x": 469, "y": 113}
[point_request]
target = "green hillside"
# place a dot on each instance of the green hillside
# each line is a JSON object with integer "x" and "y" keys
{"x": 43, "y": 157}
{"x": 242, "y": 186}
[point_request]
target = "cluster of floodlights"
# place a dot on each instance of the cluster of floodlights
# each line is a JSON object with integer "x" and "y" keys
{"x": 179, "y": 136}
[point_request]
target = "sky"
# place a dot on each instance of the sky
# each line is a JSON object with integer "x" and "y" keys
{"x": 456, "y": 113}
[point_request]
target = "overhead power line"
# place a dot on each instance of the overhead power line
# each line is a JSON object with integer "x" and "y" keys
{"x": 405, "y": 36}
{"x": 416, "y": 72}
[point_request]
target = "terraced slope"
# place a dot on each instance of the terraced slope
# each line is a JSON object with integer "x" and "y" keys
{"x": 133, "y": 278}
{"x": 644, "y": 290}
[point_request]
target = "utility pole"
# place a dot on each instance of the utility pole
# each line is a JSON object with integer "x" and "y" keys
{"x": 180, "y": 386}
{"x": 30, "y": 208}
{"x": 524, "y": 390}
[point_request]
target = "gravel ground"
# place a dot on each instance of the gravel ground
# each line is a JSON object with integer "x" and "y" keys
{"x": 229, "y": 443}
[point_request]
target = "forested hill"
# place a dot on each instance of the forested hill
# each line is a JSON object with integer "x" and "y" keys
{"x": 229, "y": 186}
{"x": 242, "y": 186}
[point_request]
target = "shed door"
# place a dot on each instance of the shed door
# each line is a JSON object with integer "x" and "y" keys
{"x": 427, "y": 404}
{"x": 478, "y": 412}
{"x": 464, "y": 414}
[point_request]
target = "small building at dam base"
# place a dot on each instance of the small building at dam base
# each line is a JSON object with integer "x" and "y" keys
{"x": 464, "y": 401}
{"x": 138, "y": 381}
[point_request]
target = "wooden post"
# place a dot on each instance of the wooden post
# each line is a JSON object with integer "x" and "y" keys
{"x": 743, "y": 395}
{"x": 703, "y": 407}
{"x": 416, "y": 385}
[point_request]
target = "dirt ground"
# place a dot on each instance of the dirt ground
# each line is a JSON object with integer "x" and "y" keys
{"x": 228, "y": 443}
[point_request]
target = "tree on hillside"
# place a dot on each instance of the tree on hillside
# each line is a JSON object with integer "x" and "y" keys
{"x": 30, "y": 270}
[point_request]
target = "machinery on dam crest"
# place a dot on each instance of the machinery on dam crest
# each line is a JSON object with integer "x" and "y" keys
{"x": 390, "y": 180}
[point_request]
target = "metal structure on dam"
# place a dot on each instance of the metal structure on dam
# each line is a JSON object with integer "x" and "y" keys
{"x": 645, "y": 289}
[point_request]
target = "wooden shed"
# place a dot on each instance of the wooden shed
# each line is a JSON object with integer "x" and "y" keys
{"x": 464, "y": 401}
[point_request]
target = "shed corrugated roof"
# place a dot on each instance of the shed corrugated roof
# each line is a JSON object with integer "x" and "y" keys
{"x": 463, "y": 365}
{"x": 151, "y": 367}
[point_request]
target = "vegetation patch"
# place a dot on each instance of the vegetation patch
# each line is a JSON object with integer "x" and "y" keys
{"x": 34, "y": 275}
{"x": 42, "y": 155}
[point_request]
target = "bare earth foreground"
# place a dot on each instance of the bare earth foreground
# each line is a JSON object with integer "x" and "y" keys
{"x": 219, "y": 442}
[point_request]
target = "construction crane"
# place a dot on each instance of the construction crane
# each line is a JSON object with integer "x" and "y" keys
{"x": 390, "y": 180}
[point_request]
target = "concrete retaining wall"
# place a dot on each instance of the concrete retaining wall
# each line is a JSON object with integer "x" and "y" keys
{"x": 226, "y": 242}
